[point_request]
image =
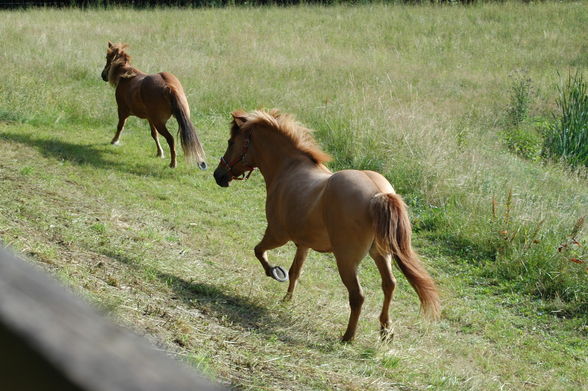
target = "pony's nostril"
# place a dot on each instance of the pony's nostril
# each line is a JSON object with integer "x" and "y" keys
{"x": 203, "y": 165}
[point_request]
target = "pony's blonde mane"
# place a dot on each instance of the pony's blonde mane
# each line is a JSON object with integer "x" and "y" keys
{"x": 120, "y": 65}
{"x": 285, "y": 124}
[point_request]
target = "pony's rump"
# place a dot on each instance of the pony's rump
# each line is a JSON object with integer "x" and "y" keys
{"x": 393, "y": 235}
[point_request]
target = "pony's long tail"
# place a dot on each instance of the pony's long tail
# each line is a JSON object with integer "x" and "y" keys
{"x": 191, "y": 145}
{"x": 393, "y": 236}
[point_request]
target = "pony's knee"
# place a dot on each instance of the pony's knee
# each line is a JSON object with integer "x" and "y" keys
{"x": 356, "y": 299}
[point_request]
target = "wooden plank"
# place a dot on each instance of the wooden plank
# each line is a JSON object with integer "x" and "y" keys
{"x": 52, "y": 340}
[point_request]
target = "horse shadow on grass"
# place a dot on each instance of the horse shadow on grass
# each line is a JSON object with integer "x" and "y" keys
{"x": 96, "y": 155}
{"x": 212, "y": 301}
{"x": 238, "y": 310}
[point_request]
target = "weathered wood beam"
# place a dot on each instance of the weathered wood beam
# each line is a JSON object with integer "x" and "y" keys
{"x": 52, "y": 340}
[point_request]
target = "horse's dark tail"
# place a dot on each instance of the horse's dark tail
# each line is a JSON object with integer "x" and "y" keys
{"x": 393, "y": 236}
{"x": 191, "y": 145}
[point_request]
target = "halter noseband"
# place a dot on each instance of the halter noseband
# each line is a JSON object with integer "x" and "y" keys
{"x": 230, "y": 166}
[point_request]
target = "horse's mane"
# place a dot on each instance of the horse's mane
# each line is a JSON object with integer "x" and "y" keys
{"x": 285, "y": 124}
{"x": 120, "y": 65}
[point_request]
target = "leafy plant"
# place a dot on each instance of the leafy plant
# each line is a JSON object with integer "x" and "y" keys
{"x": 520, "y": 99}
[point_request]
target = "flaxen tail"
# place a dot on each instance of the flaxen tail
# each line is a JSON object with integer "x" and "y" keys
{"x": 393, "y": 236}
{"x": 191, "y": 145}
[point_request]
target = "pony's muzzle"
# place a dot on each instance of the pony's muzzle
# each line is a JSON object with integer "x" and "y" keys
{"x": 222, "y": 178}
{"x": 202, "y": 165}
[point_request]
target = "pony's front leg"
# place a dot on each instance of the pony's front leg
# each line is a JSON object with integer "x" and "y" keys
{"x": 267, "y": 243}
{"x": 294, "y": 272}
{"x": 119, "y": 128}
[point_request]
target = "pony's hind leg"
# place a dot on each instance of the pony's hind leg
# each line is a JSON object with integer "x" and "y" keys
{"x": 155, "y": 136}
{"x": 294, "y": 272}
{"x": 160, "y": 126}
{"x": 348, "y": 255}
{"x": 348, "y": 272}
{"x": 384, "y": 264}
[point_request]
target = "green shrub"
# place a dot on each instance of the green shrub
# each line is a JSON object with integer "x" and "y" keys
{"x": 525, "y": 141}
{"x": 567, "y": 138}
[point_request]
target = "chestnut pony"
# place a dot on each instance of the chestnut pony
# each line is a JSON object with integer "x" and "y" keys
{"x": 350, "y": 213}
{"x": 154, "y": 97}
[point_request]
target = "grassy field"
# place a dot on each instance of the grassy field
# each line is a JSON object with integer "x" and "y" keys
{"x": 420, "y": 94}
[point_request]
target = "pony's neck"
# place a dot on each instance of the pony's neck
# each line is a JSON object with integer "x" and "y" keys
{"x": 121, "y": 71}
{"x": 275, "y": 155}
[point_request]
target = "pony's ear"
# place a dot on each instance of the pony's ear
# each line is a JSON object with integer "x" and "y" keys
{"x": 240, "y": 117}
{"x": 110, "y": 45}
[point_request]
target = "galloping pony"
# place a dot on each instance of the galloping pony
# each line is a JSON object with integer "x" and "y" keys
{"x": 153, "y": 97}
{"x": 350, "y": 213}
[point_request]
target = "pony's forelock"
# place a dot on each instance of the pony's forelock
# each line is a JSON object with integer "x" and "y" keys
{"x": 117, "y": 47}
{"x": 120, "y": 63}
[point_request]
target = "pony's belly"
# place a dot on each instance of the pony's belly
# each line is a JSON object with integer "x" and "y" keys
{"x": 138, "y": 111}
{"x": 319, "y": 249}
{"x": 318, "y": 241}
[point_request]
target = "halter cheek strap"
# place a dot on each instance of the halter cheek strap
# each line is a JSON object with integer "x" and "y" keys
{"x": 230, "y": 166}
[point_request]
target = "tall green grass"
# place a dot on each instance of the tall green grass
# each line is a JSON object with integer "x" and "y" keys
{"x": 567, "y": 138}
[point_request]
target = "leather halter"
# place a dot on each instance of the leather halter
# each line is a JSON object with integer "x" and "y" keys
{"x": 230, "y": 166}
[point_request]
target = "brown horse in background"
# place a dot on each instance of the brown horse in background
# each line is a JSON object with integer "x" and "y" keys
{"x": 155, "y": 97}
{"x": 350, "y": 213}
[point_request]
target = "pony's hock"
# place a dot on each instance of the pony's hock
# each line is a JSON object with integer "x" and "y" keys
{"x": 279, "y": 274}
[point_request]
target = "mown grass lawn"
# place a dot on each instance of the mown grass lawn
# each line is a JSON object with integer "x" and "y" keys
{"x": 417, "y": 93}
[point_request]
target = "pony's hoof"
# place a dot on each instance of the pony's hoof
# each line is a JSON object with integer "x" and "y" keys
{"x": 287, "y": 298}
{"x": 115, "y": 142}
{"x": 386, "y": 335}
{"x": 279, "y": 273}
{"x": 172, "y": 165}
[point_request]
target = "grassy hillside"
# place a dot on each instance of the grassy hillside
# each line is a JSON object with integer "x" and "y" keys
{"x": 421, "y": 94}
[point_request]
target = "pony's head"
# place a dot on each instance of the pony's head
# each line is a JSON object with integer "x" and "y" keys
{"x": 238, "y": 157}
{"x": 241, "y": 155}
{"x": 116, "y": 56}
